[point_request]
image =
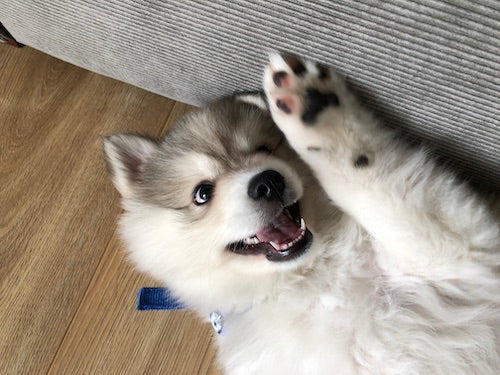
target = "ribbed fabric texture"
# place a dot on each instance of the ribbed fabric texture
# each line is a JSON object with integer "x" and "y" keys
{"x": 430, "y": 67}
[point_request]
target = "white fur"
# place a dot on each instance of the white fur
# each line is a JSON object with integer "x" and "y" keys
{"x": 405, "y": 282}
{"x": 254, "y": 99}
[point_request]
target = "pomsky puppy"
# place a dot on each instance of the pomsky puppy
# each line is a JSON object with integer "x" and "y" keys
{"x": 316, "y": 239}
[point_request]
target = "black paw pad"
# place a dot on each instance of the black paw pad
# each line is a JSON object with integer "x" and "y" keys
{"x": 297, "y": 66}
{"x": 315, "y": 101}
{"x": 324, "y": 73}
{"x": 278, "y": 77}
{"x": 361, "y": 161}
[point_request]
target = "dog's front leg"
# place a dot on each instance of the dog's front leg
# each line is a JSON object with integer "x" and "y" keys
{"x": 416, "y": 212}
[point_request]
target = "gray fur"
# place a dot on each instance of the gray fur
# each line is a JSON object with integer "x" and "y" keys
{"x": 226, "y": 133}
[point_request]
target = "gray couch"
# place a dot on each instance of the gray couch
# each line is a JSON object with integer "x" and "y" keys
{"x": 431, "y": 67}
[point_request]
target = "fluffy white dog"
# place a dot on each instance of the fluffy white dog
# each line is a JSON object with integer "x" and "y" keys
{"x": 361, "y": 256}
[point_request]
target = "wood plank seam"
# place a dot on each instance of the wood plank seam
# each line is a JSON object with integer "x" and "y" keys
{"x": 87, "y": 291}
{"x": 98, "y": 264}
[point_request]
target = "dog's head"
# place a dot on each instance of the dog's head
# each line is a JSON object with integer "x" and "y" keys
{"x": 217, "y": 201}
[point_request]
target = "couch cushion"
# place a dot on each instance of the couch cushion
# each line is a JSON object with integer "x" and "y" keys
{"x": 430, "y": 67}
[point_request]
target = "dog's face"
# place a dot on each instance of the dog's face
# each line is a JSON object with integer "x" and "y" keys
{"x": 219, "y": 195}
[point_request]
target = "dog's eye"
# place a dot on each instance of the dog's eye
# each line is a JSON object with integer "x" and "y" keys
{"x": 263, "y": 148}
{"x": 203, "y": 193}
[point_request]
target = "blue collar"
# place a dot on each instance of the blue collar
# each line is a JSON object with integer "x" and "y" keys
{"x": 162, "y": 299}
{"x": 157, "y": 299}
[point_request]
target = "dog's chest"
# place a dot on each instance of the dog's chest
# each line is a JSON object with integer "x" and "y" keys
{"x": 303, "y": 337}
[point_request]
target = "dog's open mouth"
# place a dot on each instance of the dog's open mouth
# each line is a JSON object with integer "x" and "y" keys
{"x": 284, "y": 238}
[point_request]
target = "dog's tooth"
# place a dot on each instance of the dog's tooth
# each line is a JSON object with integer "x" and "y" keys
{"x": 275, "y": 245}
{"x": 302, "y": 224}
{"x": 251, "y": 240}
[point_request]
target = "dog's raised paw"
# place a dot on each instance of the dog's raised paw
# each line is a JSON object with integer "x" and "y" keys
{"x": 299, "y": 88}
{"x": 313, "y": 107}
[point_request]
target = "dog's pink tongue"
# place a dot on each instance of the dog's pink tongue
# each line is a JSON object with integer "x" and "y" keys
{"x": 281, "y": 231}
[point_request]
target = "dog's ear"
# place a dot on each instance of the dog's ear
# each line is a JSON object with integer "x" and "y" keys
{"x": 125, "y": 155}
{"x": 255, "y": 98}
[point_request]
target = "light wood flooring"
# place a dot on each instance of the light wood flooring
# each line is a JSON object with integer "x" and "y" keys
{"x": 67, "y": 295}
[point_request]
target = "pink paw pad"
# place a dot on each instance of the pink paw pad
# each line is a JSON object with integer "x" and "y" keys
{"x": 286, "y": 104}
{"x": 281, "y": 79}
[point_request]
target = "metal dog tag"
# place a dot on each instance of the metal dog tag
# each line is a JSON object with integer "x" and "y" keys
{"x": 217, "y": 321}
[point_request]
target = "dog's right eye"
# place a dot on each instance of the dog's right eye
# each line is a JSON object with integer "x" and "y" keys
{"x": 203, "y": 193}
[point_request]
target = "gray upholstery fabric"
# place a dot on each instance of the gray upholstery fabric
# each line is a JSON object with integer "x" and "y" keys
{"x": 431, "y": 67}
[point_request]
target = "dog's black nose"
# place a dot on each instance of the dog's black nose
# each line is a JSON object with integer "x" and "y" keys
{"x": 268, "y": 185}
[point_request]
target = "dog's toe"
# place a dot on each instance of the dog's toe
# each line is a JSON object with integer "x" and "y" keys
{"x": 296, "y": 87}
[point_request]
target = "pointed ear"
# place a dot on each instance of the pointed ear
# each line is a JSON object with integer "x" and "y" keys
{"x": 255, "y": 98}
{"x": 125, "y": 156}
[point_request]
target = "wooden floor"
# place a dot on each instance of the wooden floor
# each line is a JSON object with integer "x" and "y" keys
{"x": 67, "y": 295}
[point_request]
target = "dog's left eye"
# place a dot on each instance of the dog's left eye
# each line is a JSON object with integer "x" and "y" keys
{"x": 263, "y": 148}
{"x": 203, "y": 193}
